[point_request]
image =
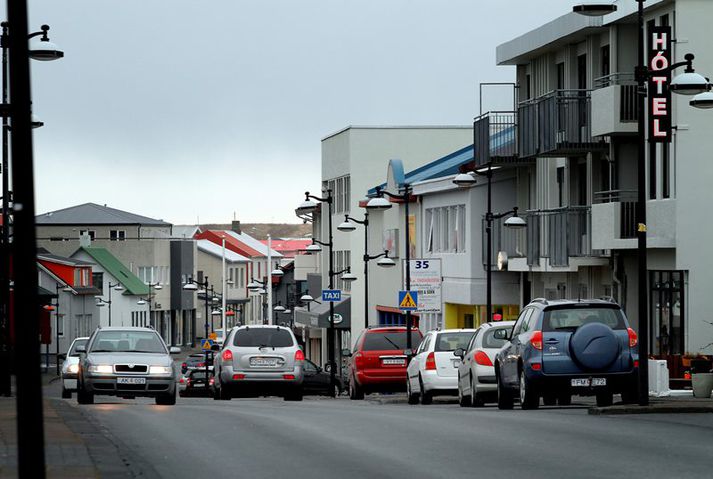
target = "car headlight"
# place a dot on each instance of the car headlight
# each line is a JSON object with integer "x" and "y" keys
{"x": 73, "y": 368}
{"x": 160, "y": 370}
{"x": 101, "y": 369}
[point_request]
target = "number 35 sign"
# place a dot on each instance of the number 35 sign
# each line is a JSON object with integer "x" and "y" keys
{"x": 426, "y": 279}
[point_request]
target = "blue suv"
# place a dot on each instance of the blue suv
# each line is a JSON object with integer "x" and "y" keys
{"x": 562, "y": 348}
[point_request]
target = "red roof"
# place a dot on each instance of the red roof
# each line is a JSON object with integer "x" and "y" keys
{"x": 289, "y": 247}
{"x": 231, "y": 243}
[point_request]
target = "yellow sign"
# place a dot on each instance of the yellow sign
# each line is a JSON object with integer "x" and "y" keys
{"x": 207, "y": 343}
{"x": 407, "y": 301}
{"x": 212, "y": 336}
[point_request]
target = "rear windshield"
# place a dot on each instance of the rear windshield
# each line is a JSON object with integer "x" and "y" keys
{"x": 571, "y": 319}
{"x": 491, "y": 342}
{"x": 265, "y": 337}
{"x": 381, "y": 341}
{"x": 78, "y": 342}
{"x": 452, "y": 341}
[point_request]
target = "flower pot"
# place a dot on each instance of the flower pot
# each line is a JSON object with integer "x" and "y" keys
{"x": 702, "y": 385}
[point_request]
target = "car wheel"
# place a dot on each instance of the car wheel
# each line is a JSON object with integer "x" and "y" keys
{"x": 505, "y": 399}
{"x": 426, "y": 397}
{"x": 630, "y": 396}
{"x": 605, "y": 399}
{"x": 355, "y": 392}
{"x": 529, "y": 399}
{"x": 295, "y": 395}
{"x": 84, "y": 397}
{"x": 478, "y": 400}
{"x": 168, "y": 399}
{"x": 564, "y": 399}
{"x": 224, "y": 394}
{"x": 66, "y": 393}
{"x": 463, "y": 400}
{"x": 549, "y": 400}
{"x": 410, "y": 396}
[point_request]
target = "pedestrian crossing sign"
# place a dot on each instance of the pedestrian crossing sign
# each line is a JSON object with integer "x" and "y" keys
{"x": 207, "y": 343}
{"x": 408, "y": 300}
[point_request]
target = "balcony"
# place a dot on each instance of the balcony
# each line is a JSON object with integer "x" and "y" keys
{"x": 614, "y": 109}
{"x": 495, "y": 138}
{"x": 557, "y": 124}
{"x": 614, "y": 221}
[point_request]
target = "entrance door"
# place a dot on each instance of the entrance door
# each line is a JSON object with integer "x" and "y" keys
{"x": 667, "y": 312}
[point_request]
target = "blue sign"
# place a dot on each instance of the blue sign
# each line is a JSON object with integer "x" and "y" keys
{"x": 408, "y": 300}
{"x": 331, "y": 295}
{"x": 206, "y": 344}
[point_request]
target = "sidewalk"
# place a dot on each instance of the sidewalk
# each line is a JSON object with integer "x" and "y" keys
{"x": 665, "y": 405}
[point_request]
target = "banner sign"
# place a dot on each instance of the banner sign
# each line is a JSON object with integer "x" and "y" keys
{"x": 426, "y": 279}
{"x": 659, "y": 94}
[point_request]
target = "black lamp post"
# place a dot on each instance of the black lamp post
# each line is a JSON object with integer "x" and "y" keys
{"x": 65, "y": 288}
{"x": 102, "y": 301}
{"x": 689, "y": 83}
{"x": 349, "y": 226}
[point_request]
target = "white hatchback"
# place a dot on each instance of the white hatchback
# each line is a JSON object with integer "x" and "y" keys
{"x": 433, "y": 369}
{"x": 476, "y": 374}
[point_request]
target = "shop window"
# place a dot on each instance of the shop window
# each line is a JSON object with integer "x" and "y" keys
{"x": 666, "y": 321}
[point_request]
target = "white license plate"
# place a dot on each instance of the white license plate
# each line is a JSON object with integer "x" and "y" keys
{"x": 585, "y": 382}
{"x": 130, "y": 380}
{"x": 394, "y": 362}
{"x": 263, "y": 362}
{"x": 456, "y": 363}
{"x": 599, "y": 382}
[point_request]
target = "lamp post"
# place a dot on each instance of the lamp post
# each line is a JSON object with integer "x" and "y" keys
{"x": 193, "y": 285}
{"x": 687, "y": 83}
{"x": 66, "y": 289}
{"x": 149, "y": 298}
{"x": 385, "y": 262}
{"x": 102, "y": 301}
{"x": 381, "y": 203}
{"x": 466, "y": 180}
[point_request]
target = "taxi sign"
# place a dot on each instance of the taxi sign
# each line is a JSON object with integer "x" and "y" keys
{"x": 331, "y": 295}
{"x": 206, "y": 344}
{"x": 408, "y": 300}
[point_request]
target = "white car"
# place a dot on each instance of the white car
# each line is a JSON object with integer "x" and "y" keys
{"x": 476, "y": 374}
{"x": 70, "y": 367}
{"x": 433, "y": 369}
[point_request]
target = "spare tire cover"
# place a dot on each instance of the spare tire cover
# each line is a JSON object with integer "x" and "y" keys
{"x": 594, "y": 346}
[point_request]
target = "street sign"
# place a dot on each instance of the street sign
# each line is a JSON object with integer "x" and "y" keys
{"x": 408, "y": 300}
{"x": 338, "y": 318}
{"x": 206, "y": 344}
{"x": 426, "y": 280}
{"x": 213, "y": 336}
{"x": 331, "y": 295}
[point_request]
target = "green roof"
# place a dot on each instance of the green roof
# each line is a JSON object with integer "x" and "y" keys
{"x": 118, "y": 270}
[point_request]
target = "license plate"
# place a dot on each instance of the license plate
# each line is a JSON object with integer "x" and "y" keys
{"x": 263, "y": 362}
{"x": 599, "y": 381}
{"x": 394, "y": 362}
{"x": 456, "y": 363}
{"x": 130, "y": 380}
{"x": 585, "y": 382}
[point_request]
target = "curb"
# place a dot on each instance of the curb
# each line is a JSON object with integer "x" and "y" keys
{"x": 603, "y": 411}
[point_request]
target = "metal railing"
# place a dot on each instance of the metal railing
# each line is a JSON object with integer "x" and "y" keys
{"x": 495, "y": 137}
{"x": 627, "y": 200}
{"x": 627, "y": 94}
{"x": 509, "y": 240}
{"x": 557, "y": 123}
{"x": 559, "y": 234}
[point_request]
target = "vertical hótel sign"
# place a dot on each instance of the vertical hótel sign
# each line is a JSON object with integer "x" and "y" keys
{"x": 659, "y": 94}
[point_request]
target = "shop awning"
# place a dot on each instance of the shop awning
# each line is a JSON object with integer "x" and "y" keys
{"x": 318, "y": 315}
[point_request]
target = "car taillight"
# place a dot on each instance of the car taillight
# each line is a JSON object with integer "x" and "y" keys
{"x": 299, "y": 355}
{"x": 182, "y": 381}
{"x": 431, "y": 362}
{"x": 536, "y": 366}
{"x": 201, "y": 365}
{"x": 212, "y": 381}
{"x": 358, "y": 360}
{"x": 288, "y": 376}
{"x": 184, "y": 366}
{"x": 227, "y": 355}
{"x": 536, "y": 340}
{"x": 188, "y": 382}
{"x": 633, "y": 338}
{"x": 238, "y": 376}
{"x": 481, "y": 358}
{"x": 636, "y": 363}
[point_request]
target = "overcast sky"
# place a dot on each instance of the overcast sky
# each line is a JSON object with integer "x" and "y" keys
{"x": 179, "y": 109}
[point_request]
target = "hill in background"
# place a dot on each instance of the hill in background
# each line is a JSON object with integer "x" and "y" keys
{"x": 261, "y": 230}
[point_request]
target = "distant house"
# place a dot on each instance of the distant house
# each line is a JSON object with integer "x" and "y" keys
{"x": 289, "y": 247}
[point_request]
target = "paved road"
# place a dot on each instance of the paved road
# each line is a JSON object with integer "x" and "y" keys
{"x": 270, "y": 438}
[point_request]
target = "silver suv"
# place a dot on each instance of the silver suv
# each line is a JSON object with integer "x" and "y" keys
{"x": 259, "y": 361}
{"x": 126, "y": 362}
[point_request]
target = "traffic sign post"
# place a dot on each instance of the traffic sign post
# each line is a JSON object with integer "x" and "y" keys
{"x": 408, "y": 300}
{"x": 207, "y": 344}
{"x": 331, "y": 295}
{"x": 426, "y": 279}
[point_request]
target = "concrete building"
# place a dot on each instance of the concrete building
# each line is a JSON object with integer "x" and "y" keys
{"x": 571, "y": 143}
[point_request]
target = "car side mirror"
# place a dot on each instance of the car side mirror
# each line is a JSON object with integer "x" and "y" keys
{"x": 81, "y": 349}
{"x": 346, "y": 352}
{"x": 503, "y": 334}
{"x": 327, "y": 367}
{"x": 62, "y": 356}
{"x": 460, "y": 352}
{"x": 174, "y": 350}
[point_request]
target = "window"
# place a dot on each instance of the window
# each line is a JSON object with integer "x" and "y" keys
{"x": 270, "y": 337}
{"x": 98, "y": 282}
{"x": 572, "y": 318}
{"x": 60, "y": 325}
{"x": 117, "y": 235}
{"x": 604, "y": 59}
{"x": 127, "y": 341}
{"x": 81, "y": 277}
{"x": 341, "y": 193}
{"x": 452, "y": 341}
{"x": 490, "y": 341}
{"x": 389, "y": 341}
{"x": 92, "y": 234}
{"x": 445, "y": 230}
{"x": 560, "y": 76}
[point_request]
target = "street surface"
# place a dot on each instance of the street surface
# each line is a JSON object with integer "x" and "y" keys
{"x": 383, "y": 437}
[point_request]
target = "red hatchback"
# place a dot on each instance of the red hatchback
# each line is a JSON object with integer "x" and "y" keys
{"x": 378, "y": 362}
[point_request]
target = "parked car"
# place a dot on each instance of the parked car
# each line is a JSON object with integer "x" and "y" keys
{"x": 562, "y": 348}
{"x": 476, "y": 374}
{"x": 219, "y": 336}
{"x": 126, "y": 362}
{"x": 259, "y": 360}
{"x": 378, "y": 361}
{"x": 318, "y": 382}
{"x": 433, "y": 371}
{"x": 197, "y": 361}
{"x": 194, "y": 384}
{"x": 70, "y": 367}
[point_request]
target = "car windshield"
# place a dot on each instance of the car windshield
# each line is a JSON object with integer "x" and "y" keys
{"x": 453, "y": 341}
{"x": 491, "y": 342}
{"x": 127, "y": 342}
{"x": 571, "y": 319}
{"x": 263, "y": 337}
{"x": 389, "y": 341}
{"x": 78, "y": 342}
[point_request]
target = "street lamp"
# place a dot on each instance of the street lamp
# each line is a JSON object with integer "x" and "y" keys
{"x": 200, "y": 287}
{"x": 687, "y": 83}
{"x": 66, "y": 289}
{"x": 379, "y": 203}
{"x": 348, "y": 226}
{"x": 149, "y": 298}
{"x": 101, "y": 301}
{"x": 466, "y": 180}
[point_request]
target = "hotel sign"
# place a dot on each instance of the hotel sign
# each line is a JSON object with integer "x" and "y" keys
{"x": 659, "y": 94}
